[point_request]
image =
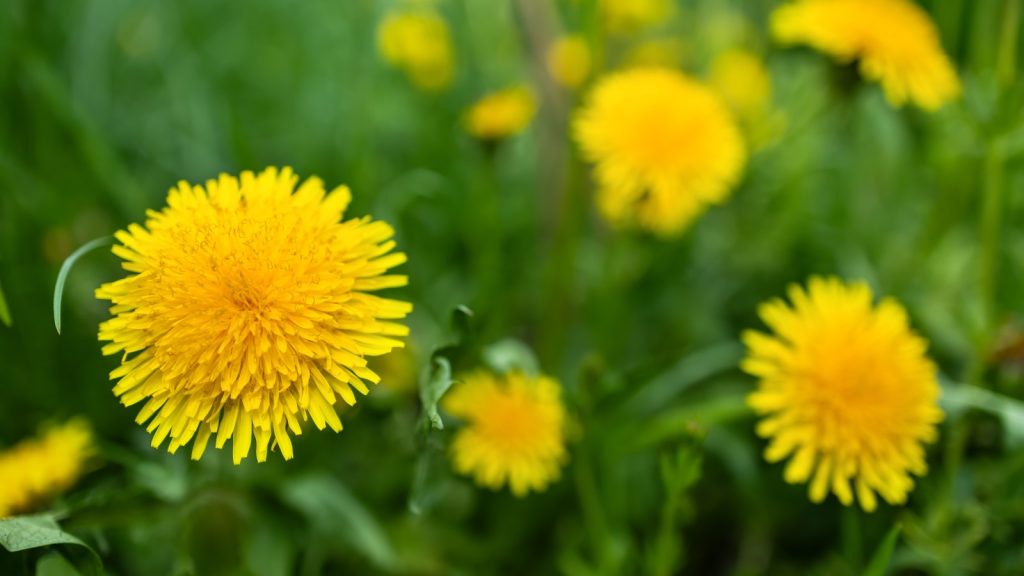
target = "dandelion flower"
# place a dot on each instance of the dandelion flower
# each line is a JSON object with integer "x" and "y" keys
{"x": 514, "y": 432}
{"x": 248, "y": 309}
{"x": 742, "y": 80}
{"x": 418, "y": 43}
{"x": 846, "y": 392}
{"x": 568, "y": 61}
{"x": 628, "y": 16}
{"x": 666, "y": 148}
{"x": 895, "y": 41}
{"x": 40, "y": 467}
{"x": 501, "y": 114}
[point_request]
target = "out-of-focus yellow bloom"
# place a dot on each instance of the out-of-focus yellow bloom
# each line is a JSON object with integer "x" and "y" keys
{"x": 662, "y": 52}
{"x": 501, "y": 114}
{"x": 38, "y": 468}
{"x": 250, "y": 309}
{"x": 666, "y": 148}
{"x": 626, "y": 16}
{"x": 846, "y": 392}
{"x": 397, "y": 371}
{"x": 514, "y": 430}
{"x": 418, "y": 43}
{"x": 742, "y": 80}
{"x": 896, "y": 42}
{"x": 569, "y": 61}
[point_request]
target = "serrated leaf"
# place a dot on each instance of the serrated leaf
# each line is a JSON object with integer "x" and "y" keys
{"x": 332, "y": 509}
{"x": 880, "y": 559}
{"x": 435, "y": 381}
{"x": 5, "y": 311}
{"x": 65, "y": 269}
{"x": 20, "y": 533}
{"x": 511, "y": 355}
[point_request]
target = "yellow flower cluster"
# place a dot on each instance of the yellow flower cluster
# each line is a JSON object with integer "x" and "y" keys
{"x": 418, "y": 43}
{"x": 41, "y": 467}
{"x": 248, "y": 310}
{"x": 514, "y": 432}
{"x": 501, "y": 114}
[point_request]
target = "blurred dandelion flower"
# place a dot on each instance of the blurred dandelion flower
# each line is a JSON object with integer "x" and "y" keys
{"x": 37, "y": 468}
{"x": 501, "y": 114}
{"x": 627, "y": 16}
{"x": 248, "y": 310}
{"x": 896, "y": 42}
{"x": 568, "y": 61}
{"x": 666, "y": 147}
{"x": 418, "y": 43}
{"x": 514, "y": 432}
{"x": 846, "y": 390}
{"x": 742, "y": 80}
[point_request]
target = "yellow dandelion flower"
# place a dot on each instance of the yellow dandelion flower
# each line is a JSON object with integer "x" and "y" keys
{"x": 248, "y": 309}
{"x": 568, "y": 61}
{"x": 514, "y": 432}
{"x": 38, "y": 468}
{"x": 743, "y": 81}
{"x": 896, "y": 42}
{"x": 666, "y": 148}
{"x": 846, "y": 390}
{"x": 418, "y": 43}
{"x": 657, "y": 53}
{"x": 501, "y": 114}
{"x": 627, "y": 16}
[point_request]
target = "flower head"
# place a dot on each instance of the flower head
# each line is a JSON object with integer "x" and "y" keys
{"x": 40, "y": 467}
{"x": 742, "y": 80}
{"x": 895, "y": 41}
{"x": 846, "y": 392}
{"x": 418, "y": 43}
{"x": 568, "y": 61}
{"x": 501, "y": 114}
{"x": 627, "y": 16}
{"x": 514, "y": 432}
{"x": 248, "y": 309}
{"x": 666, "y": 148}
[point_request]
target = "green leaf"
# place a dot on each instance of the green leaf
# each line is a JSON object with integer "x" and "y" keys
{"x": 691, "y": 369}
{"x": 956, "y": 398}
{"x": 20, "y": 533}
{"x": 333, "y": 510}
{"x": 436, "y": 380}
{"x": 880, "y": 559}
{"x": 65, "y": 269}
{"x": 53, "y": 564}
{"x": 511, "y": 355}
{"x": 5, "y": 312}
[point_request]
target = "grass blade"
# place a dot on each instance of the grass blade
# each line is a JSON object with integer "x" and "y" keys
{"x": 65, "y": 269}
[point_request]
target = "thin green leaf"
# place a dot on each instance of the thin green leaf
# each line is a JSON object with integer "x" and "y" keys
{"x": 436, "y": 380}
{"x": 691, "y": 369}
{"x": 956, "y": 398}
{"x": 65, "y": 269}
{"x": 5, "y": 311}
{"x": 334, "y": 511}
{"x": 880, "y": 559}
{"x": 19, "y": 533}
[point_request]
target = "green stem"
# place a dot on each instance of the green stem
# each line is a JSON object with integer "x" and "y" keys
{"x": 1006, "y": 57}
{"x": 592, "y": 509}
{"x": 853, "y": 542}
{"x": 989, "y": 224}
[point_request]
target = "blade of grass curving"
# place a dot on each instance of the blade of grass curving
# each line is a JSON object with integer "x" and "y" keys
{"x": 5, "y": 312}
{"x": 65, "y": 269}
{"x": 880, "y": 560}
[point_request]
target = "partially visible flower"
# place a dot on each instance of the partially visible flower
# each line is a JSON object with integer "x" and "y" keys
{"x": 657, "y": 53}
{"x": 418, "y": 43}
{"x": 846, "y": 392}
{"x": 568, "y": 61}
{"x": 666, "y": 148}
{"x": 626, "y": 16}
{"x": 514, "y": 430}
{"x": 38, "y": 468}
{"x": 894, "y": 40}
{"x": 501, "y": 114}
{"x": 742, "y": 80}
{"x": 248, "y": 310}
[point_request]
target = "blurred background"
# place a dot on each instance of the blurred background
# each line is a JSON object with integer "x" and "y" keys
{"x": 106, "y": 105}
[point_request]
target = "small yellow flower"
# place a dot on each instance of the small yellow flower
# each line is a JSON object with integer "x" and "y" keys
{"x": 514, "y": 430}
{"x": 501, "y": 114}
{"x": 418, "y": 43}
{"x": 743, "y": 81}
{"x": 846, "y": 391}
{"x": 627, "y": 16}
{"x": 895, "y": 41}
{"x": 568, "y": 61}
{"x": 666, "y": 148}
{"x": 248, "y": 310}
{"x": 41, "y": 467}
